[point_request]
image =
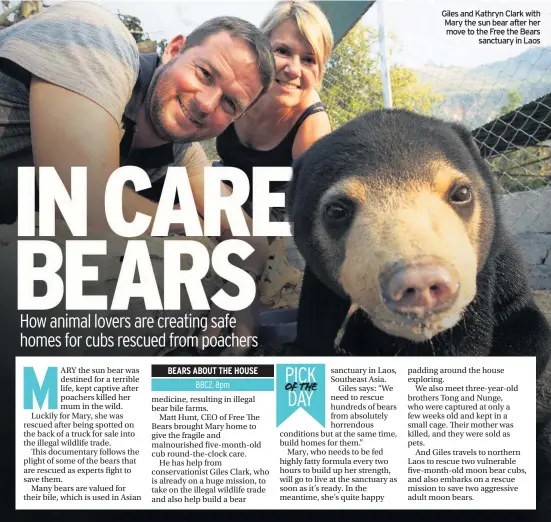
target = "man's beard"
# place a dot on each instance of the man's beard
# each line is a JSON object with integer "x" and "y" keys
{"x": 155, "y": 107}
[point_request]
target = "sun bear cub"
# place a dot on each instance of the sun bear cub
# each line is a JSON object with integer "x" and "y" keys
{"x": 395, "y": 213}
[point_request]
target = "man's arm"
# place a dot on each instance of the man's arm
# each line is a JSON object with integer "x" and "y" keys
{"x": 70, "y": 130}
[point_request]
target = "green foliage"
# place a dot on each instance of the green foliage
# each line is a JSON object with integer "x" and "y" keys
{"x": 13, "y": 12}
{"x": 513, "y": 102}
{"x": 352, "y": 84}
{"x": 145, "y": 44}
{"x": 134, "y": 25}
{"x": 162, "y": 45}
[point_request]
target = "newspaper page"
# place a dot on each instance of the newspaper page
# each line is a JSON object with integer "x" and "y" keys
{"x": 277, "y": 255}
{"x": 348, "y": 433}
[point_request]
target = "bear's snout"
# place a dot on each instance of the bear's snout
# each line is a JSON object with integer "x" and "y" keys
{"x": 420, "y": 287}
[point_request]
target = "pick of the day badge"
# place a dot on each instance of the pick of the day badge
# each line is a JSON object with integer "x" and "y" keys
{"x": 300, "y": 386}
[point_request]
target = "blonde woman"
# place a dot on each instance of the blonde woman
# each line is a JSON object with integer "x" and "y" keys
{"x": 290, "y": 116}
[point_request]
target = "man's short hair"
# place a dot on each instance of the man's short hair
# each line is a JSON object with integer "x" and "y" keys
{"x": 258, "y": 42}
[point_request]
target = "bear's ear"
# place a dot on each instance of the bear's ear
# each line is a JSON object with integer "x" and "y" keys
{"x": 476, "y": 153}
{"x": 467, "y": 138}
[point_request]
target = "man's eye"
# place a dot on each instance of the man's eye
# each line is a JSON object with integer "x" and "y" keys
{"x": 229, "y": 106}
{"x": 204, "y": 74}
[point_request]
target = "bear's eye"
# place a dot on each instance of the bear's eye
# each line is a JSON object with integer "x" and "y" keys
{"x": 336, "y": 212}
{"x": 461, "y": 194}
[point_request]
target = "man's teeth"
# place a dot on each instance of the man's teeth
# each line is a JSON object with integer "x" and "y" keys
{"x": 187, "y": 113}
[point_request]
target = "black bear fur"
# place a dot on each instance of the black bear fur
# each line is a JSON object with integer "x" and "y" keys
{"x": 502, "y": 320}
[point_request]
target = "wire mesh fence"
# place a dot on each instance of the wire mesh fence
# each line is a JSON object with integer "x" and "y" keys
{"x": 506, "y": 105}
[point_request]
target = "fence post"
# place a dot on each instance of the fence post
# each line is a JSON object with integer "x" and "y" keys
{"x": 385, "y": 72}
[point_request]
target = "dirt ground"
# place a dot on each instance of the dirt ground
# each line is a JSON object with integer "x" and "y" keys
{"x": 543, "y": 298}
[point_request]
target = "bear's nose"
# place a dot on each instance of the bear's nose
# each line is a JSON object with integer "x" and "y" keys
{"x": 421, "y": 287}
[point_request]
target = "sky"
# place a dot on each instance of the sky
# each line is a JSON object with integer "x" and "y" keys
{"x": 418, "y": 25}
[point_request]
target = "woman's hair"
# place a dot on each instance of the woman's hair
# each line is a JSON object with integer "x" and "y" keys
{"x": 310, "y": 21}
